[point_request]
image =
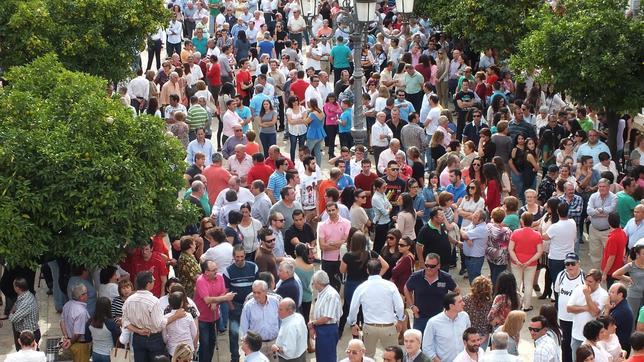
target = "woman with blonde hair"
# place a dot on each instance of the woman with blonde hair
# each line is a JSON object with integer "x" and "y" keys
{"x": 381, "y": 100}
{"x": 478, "y": 304}
{"x": 182, "y": 353}
{"x": 512, "y": 326}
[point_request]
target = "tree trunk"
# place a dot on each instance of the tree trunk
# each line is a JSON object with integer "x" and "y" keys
{"x": 612, "y": 119}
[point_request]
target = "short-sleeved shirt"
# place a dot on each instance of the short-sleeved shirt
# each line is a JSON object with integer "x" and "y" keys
{"x": 208, "y": 288}
{"x": 435, "y": 241}
{"x": 429, "y": 297}
{"x": 512, "y": 221}
{"x": 305, "y": 236}
{"x": 340, "y": 54}
{"x": 526, "y": 241}
{"x": 579, "y": 320}
{"x": 276, "y": 182}
{"x": 156, "y": 265}
{"x": 356, "y": 268}
{"x": 479, "y": 235}
{"x": 562, "y": 239}
{"x": 334, "y": 231}
{"x": 615, "y": 246}
{"x": 625, "y": 206}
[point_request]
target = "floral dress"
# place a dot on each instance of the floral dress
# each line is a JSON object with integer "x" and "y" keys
{"x": 497, "y": 244}
{"x": 187, "y": 270}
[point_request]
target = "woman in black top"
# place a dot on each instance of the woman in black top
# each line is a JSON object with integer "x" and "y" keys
{"x": 354, "y": 266}
{"x": 518, "y": 164}
{"x": 390, "y": 252}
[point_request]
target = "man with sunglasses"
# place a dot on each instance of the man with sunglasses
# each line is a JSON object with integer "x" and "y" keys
{"x": 472, "y": 130}
{"x": 425, "y": 290}
{"x": 545, "y": 347}
{"x": 567, "y": 281}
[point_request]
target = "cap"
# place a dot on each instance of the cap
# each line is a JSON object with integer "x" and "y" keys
{"x": 553, "y": 168}
{"x": 571, "y": 257}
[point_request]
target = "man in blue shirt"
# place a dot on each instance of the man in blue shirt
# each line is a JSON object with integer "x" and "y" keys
{"x": 340, "y": 58}
{"x": 442, "y": 338}
{"x": 593, "y": 147}
{"x": 620, "y": 310}
{"x": 474, "y": 241}
{"x": 344, "y": 124}
{"x": 456, "y": 186}
{"x": 239, "y": 278}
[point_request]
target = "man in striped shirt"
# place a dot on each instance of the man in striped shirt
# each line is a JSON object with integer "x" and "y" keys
{"x": 239, "y": 278}
{"x": 324, "y": 324}
{"x": 197, "y": 117}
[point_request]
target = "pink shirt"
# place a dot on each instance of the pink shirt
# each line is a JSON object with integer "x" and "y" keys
{"x": 334, "y": 231}
{"x": 208, "y": 288}
{"x": 230, "y": 120}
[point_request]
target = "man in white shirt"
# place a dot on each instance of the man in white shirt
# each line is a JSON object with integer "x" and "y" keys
{"x": 174, "y": 31}
{"x": 473, "y": 351}
{"x": 382, "y": 308}
{"x": 586, "y": 303}
{"x": 562, "y": 236}
{"x": 546, "y": 349}
{"x": 325, "y": 86}
{"x": 138, "y": 89}
{"x": 243, "y": 196}
{"x": 313, "y": 91}
{"x": 499, "y": 350}
{"x": 380, "y": 135}
{"x": 230, "y": 120}
{"x": 291, "y": 342}
{"x": 389, "y": 155}
{"x": 28, "y": 350}
{"x": 564, "y": 284}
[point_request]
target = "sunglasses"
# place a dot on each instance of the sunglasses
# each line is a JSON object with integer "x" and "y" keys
{"x": 431, "y": 266}
{"x": 402, "y": 245}
{"x": 472, "y": 187}
{"x": 280, "y": 220}
{"x": 476, "y": 164}
{"x": 395, "y": 169}
{"x": 532, "y": 329}
{"x": 570, "y": 263}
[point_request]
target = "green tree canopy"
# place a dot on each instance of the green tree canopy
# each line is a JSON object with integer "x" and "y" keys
{"x": 80, "y": 176}
{"x": 100, "y": 37}
{"x": 590, "y": 50}
{"x": 484, "y": 23}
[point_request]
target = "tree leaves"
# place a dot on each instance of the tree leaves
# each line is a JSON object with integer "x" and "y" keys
{"x": 100, "y": 37}
{"x": 588, "y": 49}
{"x": 73, "y": 184}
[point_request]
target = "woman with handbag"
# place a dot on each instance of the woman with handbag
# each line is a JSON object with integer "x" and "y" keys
{"x": 102, "y": 331}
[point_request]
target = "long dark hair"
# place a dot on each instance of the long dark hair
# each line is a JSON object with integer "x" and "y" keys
{"x": 358, "y": 248}
{"x": 241, "y": 35}
{"x": 506, "y": 285}
{"x": 103, "y": 312}
{"x": 490, "y": 172}
{"x": 553, "y": 215}
{"x": 407, "y": 203}
{"x": 550, "y": 313}
{"x": 262, "y": 111}
{"x": 472, "y": 173}
{"x": 302, "y": 250}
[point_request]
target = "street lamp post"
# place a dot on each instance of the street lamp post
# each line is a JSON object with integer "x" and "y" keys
{"x": 358, "y": 14}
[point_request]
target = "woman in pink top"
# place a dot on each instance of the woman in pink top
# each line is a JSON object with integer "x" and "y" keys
{"x": 525, "y": 248}
{"x": 332, "y": 111}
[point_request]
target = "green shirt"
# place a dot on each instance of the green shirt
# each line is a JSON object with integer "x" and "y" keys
{"x": 413, "y": 83}
{"x": 511, "y": 221}
{"x": 341, "y": 55}
{"x": 197, "y": 117}
{"x": 586, "y": 124}
{"x": 640, "y": 317}
{"x": 214, "y": 11}
{"x": 625, "y": 206}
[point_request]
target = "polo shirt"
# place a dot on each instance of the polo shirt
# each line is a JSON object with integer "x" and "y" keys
{"x": 615, "y": 246}
{"x": 334, "y": 231}
{"x": 428, "y": 297}
{"x": 623, "y": 316}
{"x": 625, "y": 206}
{"x": 414, "y": 82}
{"x": 276, "y": 182}
{"x": 208, "y": 288}
{"x": 197, "y": 117}
{"x": 259, "y": 171}
{"x": 458, "y": 192}
{"x": 340, "y": 54}
{"x": 306, "y": 236}
{"x": 156, "y": 265}
{"x": 436, "y": 241}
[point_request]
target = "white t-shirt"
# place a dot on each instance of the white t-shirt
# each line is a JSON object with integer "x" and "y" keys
{"x": 297, "y": 129}
{"x": 565, "y": 286}
{"x": 221, "y": 254}
{"x": 580, "y": 319}
{"x": 27, "y": 356}
{"x": 308, "y": 191}
{"x": 562, "y": 239}
{"x": 433, "y": 116}
{"x": 471, "y": 206}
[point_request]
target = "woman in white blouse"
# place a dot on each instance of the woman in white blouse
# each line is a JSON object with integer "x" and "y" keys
{"x": 471, "y": 203}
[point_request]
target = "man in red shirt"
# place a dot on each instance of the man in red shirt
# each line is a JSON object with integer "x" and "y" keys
{"x": 146, "y": 259}
{"x": 364, "y": 180}
{"x": 217, "y": 177}
{"x": 274, "y": 154}
{"x": 259, "y": 171}
{"x": 214, "y": 76}
{"x": 299, "y": 86}
{"x": 244, "y": 81}
{"x": 613, "y": 255}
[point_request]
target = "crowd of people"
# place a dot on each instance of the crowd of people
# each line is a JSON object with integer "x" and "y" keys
{"x": 463, "y": 166}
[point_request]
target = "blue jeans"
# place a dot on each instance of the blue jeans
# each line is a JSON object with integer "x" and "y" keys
{"x": 100, "y": 358}
{"x": 349, "y": 288}
{"x": 495, "y": 270}
{"x": 517, "y": 181}
{"x": 473, "y": 266}
{"x": 147, "y": 348}
{"x": 233, "y": 331}
{"x": 222, "y": 323}
{"x": 555, "y": 267}
{"x": 60, "y": 296}
{"x": 296, "y": 141}
{"x": 420, "y": 323}
{"x": 574, "y": 345}
{"x": 429, "y": 162}
{"x": 268, "y": 139}
{"x": 207, "y": 340}
{"x": 316, "y": 149}
{"x": 326, "y": 342}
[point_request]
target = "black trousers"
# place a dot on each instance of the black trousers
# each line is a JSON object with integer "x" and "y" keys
{"x": 416, "y": 99}
{"x": 154, "y": 50}
{"x": 332, "y": 268}
{"x": 331, "y": 132}
{"x": 566, "y": 339}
